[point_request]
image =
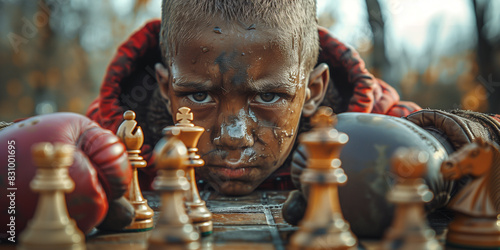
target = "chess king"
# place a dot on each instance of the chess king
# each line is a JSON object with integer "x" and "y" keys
{"x": 253, "y": 73}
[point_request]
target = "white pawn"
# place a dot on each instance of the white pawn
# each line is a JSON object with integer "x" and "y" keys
{"x": 51, "y": 227}
{"x": 409, "y": 229}
{"x": 323, "y": 225}
{"x": 173, "y": 229}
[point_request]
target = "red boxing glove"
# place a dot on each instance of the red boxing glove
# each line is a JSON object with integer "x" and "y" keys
{"x": 100, "y": 170}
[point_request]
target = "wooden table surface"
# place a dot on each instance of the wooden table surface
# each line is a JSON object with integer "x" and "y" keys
{"x": 246, "y": 222}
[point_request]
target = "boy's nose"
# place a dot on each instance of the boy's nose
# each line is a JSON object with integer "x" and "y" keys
{"x": 235, "y": 132}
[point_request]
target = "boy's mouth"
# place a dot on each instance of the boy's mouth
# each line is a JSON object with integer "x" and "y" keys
{"x": 230, "y": 171}
{"x": 234, "y": 165}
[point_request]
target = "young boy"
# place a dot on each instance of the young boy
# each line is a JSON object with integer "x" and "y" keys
{"x": 250, "y": 71}
{"x": 253, "y": 72}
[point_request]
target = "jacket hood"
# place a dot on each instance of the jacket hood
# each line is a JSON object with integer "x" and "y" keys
{"x": 130, "y": 84}
{"x": 130, "y": 80}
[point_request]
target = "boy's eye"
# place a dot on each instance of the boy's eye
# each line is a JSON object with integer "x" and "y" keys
{"x": 200, "y": 97}
{"x": 267, "y": 98}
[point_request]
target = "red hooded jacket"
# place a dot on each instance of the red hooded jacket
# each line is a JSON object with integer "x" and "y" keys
{"x": 130, "y": 82}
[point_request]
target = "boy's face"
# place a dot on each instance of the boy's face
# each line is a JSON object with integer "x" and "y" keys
{"x": 247, "y": 93}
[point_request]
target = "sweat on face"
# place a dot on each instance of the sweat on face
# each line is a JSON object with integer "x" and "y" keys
{"x": 248, "y": 92}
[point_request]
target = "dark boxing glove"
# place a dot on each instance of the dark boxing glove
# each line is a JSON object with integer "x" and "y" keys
{"x": 100, "y": 170}
{"x": 366, "y": 161}
{"x": 382, "y": 134}
{"x": 457, "y": 127}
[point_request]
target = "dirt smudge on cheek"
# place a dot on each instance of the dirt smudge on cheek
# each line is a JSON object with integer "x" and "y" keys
{"x": 275, "y": 130}
{"x": 264, "y": 134}
{"x": 250, "y": 154}
{"x": 282, "y": 135}
{"x": 251, "y": 114}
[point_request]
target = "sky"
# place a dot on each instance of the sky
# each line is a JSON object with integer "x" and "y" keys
{"x": 408, "y": 23}
{"x": 425, "y": 30}
{"x": 418, "y": 33}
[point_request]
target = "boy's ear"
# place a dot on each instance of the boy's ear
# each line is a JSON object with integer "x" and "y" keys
{"x": 163, "y": 79}
{"x": 316, "y": 89}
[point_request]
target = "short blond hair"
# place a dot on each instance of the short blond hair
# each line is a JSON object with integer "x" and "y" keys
{"x": 294, "y": 21}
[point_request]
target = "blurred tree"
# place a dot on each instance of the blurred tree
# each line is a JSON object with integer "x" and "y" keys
{"x": 489, "y": 66}
{"x": 56, "y": 51}
{"x": 377, "y": 25}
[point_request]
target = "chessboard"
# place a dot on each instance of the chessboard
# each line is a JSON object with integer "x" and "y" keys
{"x": 253, "y": 221}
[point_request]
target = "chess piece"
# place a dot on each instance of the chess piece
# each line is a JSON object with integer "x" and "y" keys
{"x": 99, "y": 170}
{"x": 51, "y": 227}
{"x": 173, "y": 229}
{"x": 133, "y": 138}
{"x": 373, "y": 139}
{"x": 323, "y": 226}
{"x": 189, "y": 134}
{"x": 476, "y": 224}
{"x": 409, "y": 229}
